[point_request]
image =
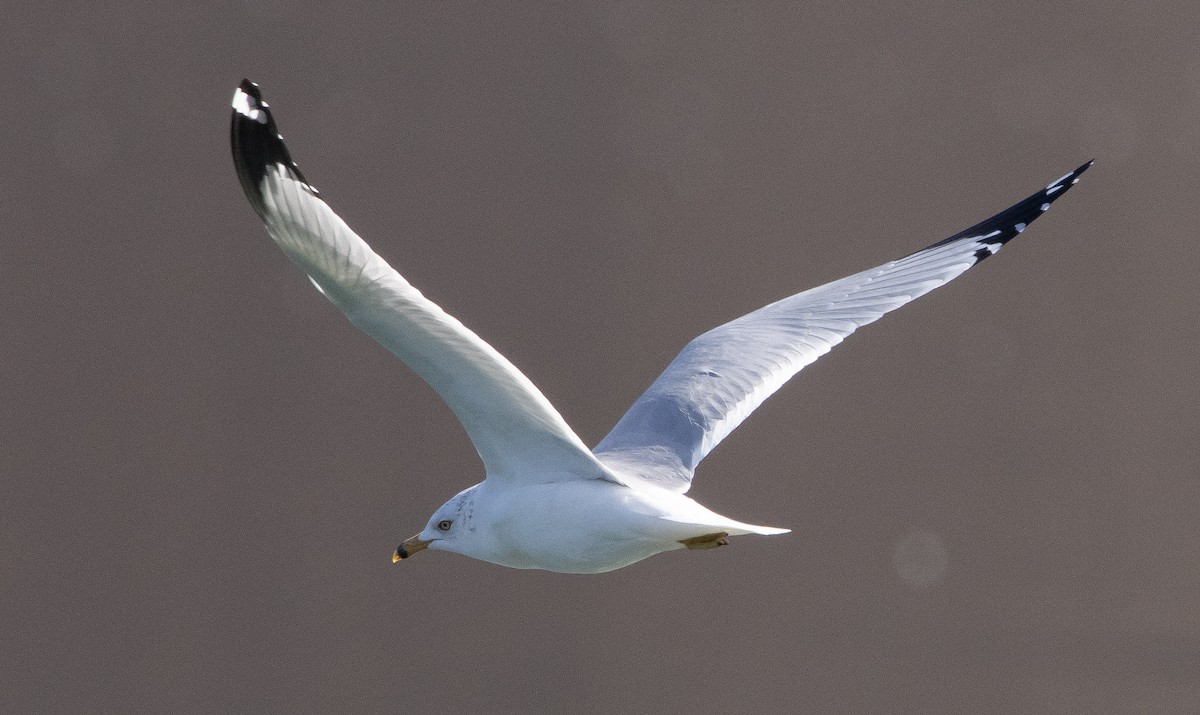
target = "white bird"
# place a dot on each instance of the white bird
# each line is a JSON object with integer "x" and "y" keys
{"x": 547, "y": 501}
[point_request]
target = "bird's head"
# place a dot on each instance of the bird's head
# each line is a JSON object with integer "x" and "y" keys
{"x": 449, "y": 529}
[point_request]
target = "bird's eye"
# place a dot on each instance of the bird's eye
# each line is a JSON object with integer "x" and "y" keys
{"x": 444, "y": 525}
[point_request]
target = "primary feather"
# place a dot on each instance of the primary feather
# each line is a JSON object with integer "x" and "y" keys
{"x": 724, "y": 374}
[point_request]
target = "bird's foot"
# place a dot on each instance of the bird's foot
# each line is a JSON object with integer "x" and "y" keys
{"x": 707, "y": 541}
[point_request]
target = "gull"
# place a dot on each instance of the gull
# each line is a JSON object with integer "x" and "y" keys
{"x": 546, "y": 500}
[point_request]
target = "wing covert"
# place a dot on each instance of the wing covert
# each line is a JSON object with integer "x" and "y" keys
{"x": 720, "y": 377}
{"x": 517, "y": 432}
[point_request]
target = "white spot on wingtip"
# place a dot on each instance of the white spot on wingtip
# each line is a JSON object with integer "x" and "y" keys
{"x": 1045, "y": 207}
{"x": 1020, "y": 227}
{"x": 1059, "y": 180}
{"x": 242, "y": 105}
{"x": 1052, "y": 189}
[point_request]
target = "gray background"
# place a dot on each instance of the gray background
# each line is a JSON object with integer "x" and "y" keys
{"x": 205, "y": 468}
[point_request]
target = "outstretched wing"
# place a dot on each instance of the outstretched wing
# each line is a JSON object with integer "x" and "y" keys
{"x": 724, "y": 374}
{"x": 518, "y": 433}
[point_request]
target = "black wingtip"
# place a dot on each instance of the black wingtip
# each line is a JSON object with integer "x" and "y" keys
{"x": 1074, "y": 175}
{"x": 256, "y": 143}
{"x": 1006, "y": 225}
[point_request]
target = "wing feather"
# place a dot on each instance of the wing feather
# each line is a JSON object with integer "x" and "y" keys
{"x": 517, "y": 432}
{"x": 721, "y": 376}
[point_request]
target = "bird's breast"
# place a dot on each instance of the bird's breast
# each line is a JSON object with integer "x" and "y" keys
{"x": 574, "y": 527}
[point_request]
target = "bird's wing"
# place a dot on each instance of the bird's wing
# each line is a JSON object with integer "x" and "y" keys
{"x": 517, "y": 432}
{"x": 724, "y": 374}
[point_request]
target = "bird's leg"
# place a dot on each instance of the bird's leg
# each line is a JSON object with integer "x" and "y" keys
{"x": 706, "y": 541}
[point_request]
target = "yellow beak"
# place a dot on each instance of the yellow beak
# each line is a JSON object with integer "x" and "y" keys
{"x": 409, "y": 547}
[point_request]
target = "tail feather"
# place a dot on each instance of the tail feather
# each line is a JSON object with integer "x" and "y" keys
{"x": 735, "y": 528}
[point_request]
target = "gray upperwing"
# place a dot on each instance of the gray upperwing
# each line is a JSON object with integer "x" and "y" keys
{"x": 721, "y": 376}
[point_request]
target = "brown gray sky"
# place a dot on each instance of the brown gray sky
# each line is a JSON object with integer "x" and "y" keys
{"x": 994, "y": 491}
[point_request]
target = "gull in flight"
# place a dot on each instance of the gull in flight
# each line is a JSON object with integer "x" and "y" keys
{"x": 547, "y": 501}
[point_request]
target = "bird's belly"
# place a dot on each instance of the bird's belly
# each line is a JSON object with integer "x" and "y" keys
{"x": 596, "y": 557}
{"x": 590, "y": 529}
